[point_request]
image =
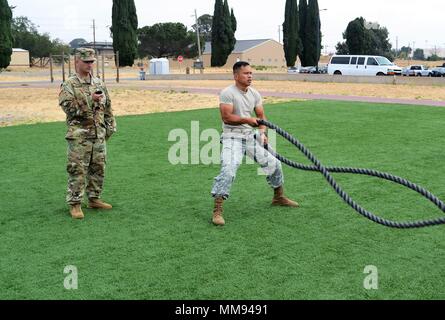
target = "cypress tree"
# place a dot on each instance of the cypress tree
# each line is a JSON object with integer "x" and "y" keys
{"x": 234, "y": 22}
{"x": 291, "y": 38}
{"x": 228, "y": 29}
{"x": 217, "y": 30}
{"x": 313, "y": 48}
{"x": 223, "y": 35}
{"x": 234, "y": 25}
{"x": 320, "y": 36}
{"x": 303, "y": 38}
{"x": 124, "y": 29}
{"x": 6, "y": 39}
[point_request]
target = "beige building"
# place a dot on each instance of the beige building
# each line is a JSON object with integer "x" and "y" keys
{"x": 261, "y": 52}
{"x": 19, "y": 58}
{"x": 102, "y": 48}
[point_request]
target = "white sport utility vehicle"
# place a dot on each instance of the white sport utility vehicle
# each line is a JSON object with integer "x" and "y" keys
{"x": 358, "y": 65}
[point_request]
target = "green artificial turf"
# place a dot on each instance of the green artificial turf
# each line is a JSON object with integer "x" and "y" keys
{"x": 158, "y": 241}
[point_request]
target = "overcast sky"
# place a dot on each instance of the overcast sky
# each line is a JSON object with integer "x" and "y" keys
{"x": 408, "y": 20}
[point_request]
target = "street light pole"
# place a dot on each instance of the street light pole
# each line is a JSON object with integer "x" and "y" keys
{"x": 325, "y": 47}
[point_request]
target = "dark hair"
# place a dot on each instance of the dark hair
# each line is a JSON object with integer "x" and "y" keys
{"x": 239, "y": 65}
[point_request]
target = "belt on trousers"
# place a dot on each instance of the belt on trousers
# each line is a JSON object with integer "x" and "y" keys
{"x": 242, "y": 131}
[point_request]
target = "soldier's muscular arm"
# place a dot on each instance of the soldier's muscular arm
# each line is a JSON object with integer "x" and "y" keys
{"x": 232, "y": 119}
{"x": 259, "y": 111}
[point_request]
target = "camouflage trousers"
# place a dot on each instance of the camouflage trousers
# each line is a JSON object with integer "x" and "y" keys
{"x": 86, "y": 169}
{"x": 233, "y": 151}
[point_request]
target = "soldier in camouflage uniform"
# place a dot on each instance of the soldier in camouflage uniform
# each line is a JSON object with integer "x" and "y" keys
{"x": 90, "y": 121}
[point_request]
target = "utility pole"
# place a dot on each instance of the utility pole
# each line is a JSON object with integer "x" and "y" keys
{"x": 51, "y": 67}
{"x": 94, "y": 35}
{"x": 197, "y": 36}
{"x": 279, "y": 33}
{"x": 63, "y": 66}
{"x": 94, "y": 47}
{"x": 94, "y": 43}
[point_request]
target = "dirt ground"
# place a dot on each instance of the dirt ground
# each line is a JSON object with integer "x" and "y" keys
{"x": 410, "y": 92}
{"x": 30, "y": 105}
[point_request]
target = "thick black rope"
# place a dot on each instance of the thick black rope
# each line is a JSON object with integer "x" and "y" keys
{"x": 325, "y": 171}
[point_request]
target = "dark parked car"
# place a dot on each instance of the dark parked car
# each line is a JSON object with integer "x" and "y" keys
{"x": 438, "y": 72}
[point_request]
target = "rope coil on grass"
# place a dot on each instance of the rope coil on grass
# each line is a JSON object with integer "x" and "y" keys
{"x": 325, "y": 171}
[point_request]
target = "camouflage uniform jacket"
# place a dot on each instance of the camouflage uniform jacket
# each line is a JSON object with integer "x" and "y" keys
{"x": 85, "y": 118}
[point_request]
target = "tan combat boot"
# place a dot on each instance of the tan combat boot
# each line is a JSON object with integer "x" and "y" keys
{"x": 280, "y": 200}
{"x": 218, "y": 219}
{"x": 76, "y": 211}
{"x": 95, "y": 203}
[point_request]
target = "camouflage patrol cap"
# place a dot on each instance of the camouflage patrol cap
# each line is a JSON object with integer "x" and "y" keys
{"x": 86, "y": 54}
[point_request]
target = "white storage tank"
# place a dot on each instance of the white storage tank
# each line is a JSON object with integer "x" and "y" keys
{"x": 159, "y": 66}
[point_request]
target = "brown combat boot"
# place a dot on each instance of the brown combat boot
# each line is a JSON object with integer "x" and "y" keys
{"x": 218, "y": 219}
{"x": 76, "y": 211}
{"x": 280, "y": 200}
{"x": 95, "y": 203}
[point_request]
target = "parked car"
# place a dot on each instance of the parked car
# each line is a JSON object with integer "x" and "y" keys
{"x": 357, "y": 65}
{"x": 323, "y": 69}
{"x": 417, "y": 71}
{"x": 314, "y": 70}
{"x": 293, "y": 70}
{"x": 308, "y": 69}
{"x": 438, "y": 72}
